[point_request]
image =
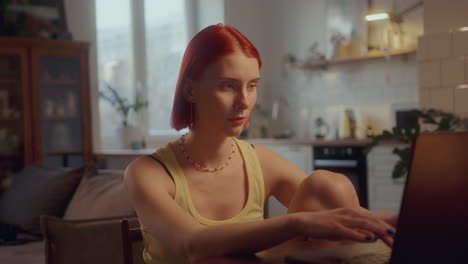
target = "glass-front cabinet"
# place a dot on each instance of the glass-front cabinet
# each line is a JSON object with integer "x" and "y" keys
{"x": 60, "y": 125}
{"x": 15, "y": 134}
{"x": 44, "y": 103}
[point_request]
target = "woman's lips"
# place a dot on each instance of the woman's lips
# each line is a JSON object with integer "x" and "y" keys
{"x": 237, "y": 120}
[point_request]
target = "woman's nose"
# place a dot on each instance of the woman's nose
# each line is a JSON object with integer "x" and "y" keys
{"x": 242, "y": 101}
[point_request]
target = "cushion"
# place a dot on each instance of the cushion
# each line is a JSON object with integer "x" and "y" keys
{"x": 30, "y": 253}
{"x": 98, "y": 196}
{"x": 87, "y": 241}
{"x": 35, "y": 191}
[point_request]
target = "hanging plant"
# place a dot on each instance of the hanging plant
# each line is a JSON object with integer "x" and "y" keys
{"x": 432, "y": 120}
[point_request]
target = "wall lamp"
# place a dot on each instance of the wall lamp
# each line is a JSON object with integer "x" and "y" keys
{"x": 396, "y": 17}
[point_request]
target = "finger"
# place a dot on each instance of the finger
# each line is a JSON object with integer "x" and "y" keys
{"x": 360, "y": 212}
{"x": 344, "y": 232}
{"x": 384, "y": 218}
{"x": 371, "y": 237}
{"x": 364, "y": 223}
{"x": 387, "y": 240}
{"x": 376, "y": 218}
{"x": 389, "y": 217}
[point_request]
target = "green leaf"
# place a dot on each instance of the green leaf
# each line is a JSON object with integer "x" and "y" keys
{"x": 122, "y": 104}
{"x": 442, "y": 121}
{"x": 399, "y": 170}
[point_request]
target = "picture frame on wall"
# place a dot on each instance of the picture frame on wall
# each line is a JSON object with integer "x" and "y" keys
{"x": 33, "y": 18}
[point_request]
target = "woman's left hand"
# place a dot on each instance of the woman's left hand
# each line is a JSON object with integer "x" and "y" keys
{"x": 391, "y": 218}
{"x": 388, "y": 216}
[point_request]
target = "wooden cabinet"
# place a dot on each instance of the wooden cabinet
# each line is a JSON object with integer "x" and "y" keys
{"x": 44, "y": 103}
{"x": 15, "y": 111}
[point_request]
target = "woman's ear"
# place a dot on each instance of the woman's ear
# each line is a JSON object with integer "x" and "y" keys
{"x": 189, "y": 91}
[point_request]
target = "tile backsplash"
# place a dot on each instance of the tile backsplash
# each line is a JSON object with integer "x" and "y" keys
{"x": 443, "y": 70}
{"x": 370, "y": 88}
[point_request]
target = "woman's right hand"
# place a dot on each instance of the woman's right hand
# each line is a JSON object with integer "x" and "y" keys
{"x": 356, "y": 224}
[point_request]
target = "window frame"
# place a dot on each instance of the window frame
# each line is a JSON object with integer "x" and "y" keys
{"x": 195, "y": 22}
{"x": 140, "y": 63}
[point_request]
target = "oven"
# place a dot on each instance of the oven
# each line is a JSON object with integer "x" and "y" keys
{"x": 347, "y": 160}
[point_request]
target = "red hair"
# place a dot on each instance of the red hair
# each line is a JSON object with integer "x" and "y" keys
{"x": 206, "y": 46}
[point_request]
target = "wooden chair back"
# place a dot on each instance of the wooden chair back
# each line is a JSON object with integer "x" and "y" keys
{"x": 129, "y": 236}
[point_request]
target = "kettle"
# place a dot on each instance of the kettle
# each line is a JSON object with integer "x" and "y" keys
{"x": 321, "y": 128}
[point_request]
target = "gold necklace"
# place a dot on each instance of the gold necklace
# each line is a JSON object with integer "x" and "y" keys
{"x": 201, "y": 167}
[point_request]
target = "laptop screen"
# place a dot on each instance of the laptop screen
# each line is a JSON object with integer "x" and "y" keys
{"x": 433, "y": 223}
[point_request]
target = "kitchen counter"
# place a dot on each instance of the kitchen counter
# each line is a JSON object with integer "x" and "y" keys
{"x": 297, "y": 150}
{"x": 260, "y": 141}
{"x": 309, "y": 141}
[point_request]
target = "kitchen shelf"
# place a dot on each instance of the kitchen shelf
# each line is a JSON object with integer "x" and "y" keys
{"x": 369, "y": 56}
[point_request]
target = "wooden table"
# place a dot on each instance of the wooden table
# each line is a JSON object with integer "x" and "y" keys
{"x": 278, "y": 254}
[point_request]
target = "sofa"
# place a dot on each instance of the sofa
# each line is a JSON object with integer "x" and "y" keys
{"x": 58, "y": 215}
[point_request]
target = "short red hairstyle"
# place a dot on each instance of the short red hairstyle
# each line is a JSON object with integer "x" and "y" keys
{"x": 206, "y": 47}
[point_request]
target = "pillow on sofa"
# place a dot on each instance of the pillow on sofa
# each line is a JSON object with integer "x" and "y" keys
{"x": 98, "y": 196}
{"x": 35, "y": 191}
{"x": 86, "y": 241}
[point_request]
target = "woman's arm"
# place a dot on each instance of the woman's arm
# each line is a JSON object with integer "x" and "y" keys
{"x": 319, "y": 191}
{"x": 282, "y": 177}
{"x": 151, "y": 189}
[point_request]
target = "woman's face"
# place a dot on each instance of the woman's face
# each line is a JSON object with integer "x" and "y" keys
{"x": 225, "y": 94}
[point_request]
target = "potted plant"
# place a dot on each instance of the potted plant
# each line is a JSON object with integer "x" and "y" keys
{"x": 432, "y": 120}
{"x": 124, "y": 107}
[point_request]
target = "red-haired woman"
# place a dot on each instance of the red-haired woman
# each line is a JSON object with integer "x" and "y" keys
{"x": 203, "y": 195}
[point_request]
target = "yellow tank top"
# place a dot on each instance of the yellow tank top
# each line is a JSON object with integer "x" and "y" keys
{"x": 154, "y": 252}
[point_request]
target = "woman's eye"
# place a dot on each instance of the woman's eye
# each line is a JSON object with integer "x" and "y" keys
{"x": 227, "y": 86}
{"x": 252, "y": 85}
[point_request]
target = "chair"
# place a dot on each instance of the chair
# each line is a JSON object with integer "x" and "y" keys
{"x": 129, "y": 236}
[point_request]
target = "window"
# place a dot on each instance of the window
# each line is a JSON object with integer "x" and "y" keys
{"x": 141, "y": 44}
{"x": 115, "y": 61}
{"x": 166, "y": 39}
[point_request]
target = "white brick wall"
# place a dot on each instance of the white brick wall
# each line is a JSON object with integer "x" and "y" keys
{"x": 384, "y": 193}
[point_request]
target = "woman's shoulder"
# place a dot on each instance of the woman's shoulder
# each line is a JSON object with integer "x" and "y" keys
{"x": 265, "y": 153}
{"x": 148, "y": 166}
{"x": 145, "y": 171}
{"x": 143, "y": 165}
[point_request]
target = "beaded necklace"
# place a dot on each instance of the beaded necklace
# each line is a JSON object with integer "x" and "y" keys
{"x": 201, "y": 167}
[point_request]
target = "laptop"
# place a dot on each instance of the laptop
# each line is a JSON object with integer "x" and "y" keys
{"x": 433, "y": 222}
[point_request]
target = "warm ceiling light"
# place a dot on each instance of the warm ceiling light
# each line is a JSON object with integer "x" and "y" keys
{"x": 462, "y": 86}
{"x": 396, "y": 16}
{"x": 377, "y": 16}
{"x": 463, "y": 29}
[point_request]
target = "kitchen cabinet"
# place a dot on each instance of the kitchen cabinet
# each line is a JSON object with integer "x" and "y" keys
{"x": 301, "y": 156}
{"x": 44, "y": 103}
{"x": 384, "y": 192}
